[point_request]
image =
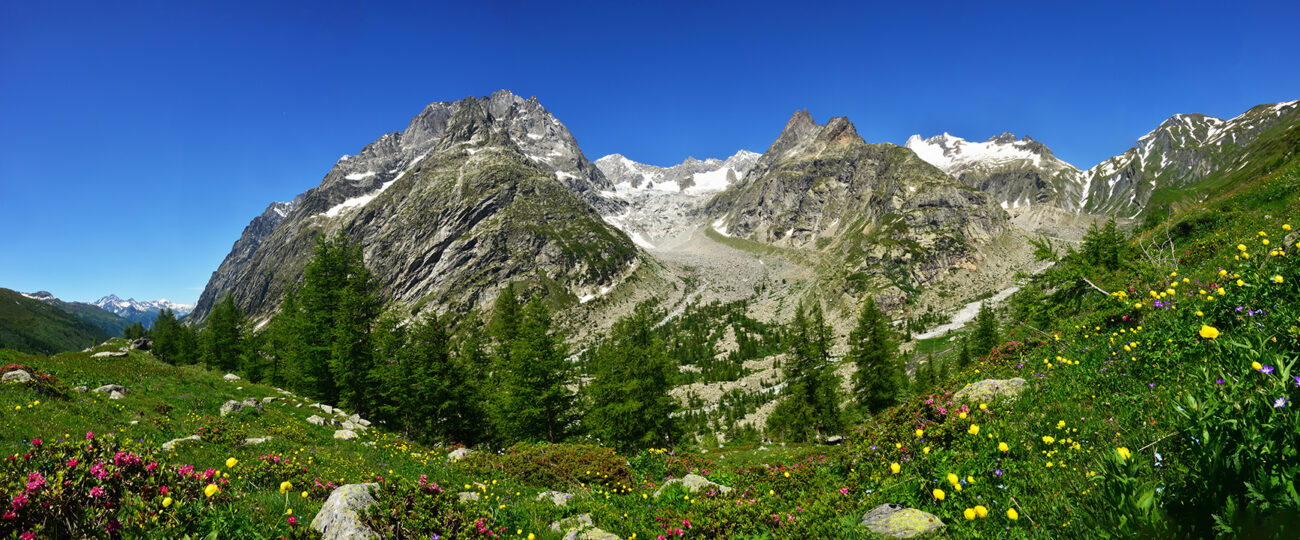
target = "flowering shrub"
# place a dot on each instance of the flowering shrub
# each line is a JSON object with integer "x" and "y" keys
{"x": 44, "y": 384}
{"x": 556, "y": 465}
{"x": 423, "y": 509}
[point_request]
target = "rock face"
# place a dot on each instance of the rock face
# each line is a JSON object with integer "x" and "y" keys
{"x": 471, "y": 194}
{"x": 897, "y": 521}
{"x": 990, "y": 389}
{"x": 693, "y": 483}
{"x": 1018, "y": 173}
{"x": 875, "y": 210}
{"x": 338, "y": 520}
{"x": 141, "y": 344}
{"x": 250, "y": 404}
{"x": 17, "y": 376}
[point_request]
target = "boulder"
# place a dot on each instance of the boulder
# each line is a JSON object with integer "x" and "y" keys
{"x": 580, "y": 527}
{"x": 344, "y": 434}
{"x": 116, "y": 395}
{"x": 338, "y": 520}
{"x": 267, "y": 400}
{"x": 110, "y": 388}
{"x": 467, "y": 496}
{"x": 142, "y": 344}
{"x": 990, "y": 389}
{"x": 255, "y": 440}
{"x": 171, "y": 445}
{"x": 109, "y": 354}
{"x": 348, "y": 424}
{"x": 559, "y": 498}
{"x": 323, "y": 407}
{"x": 693, "y": 483}
{"x": 17, "y": 376}
{"x": 231, "y": 377}
{"x": 458, "y": 454}
{"x": 834, "y": 440}
{"x": 898, "y": 521}
{"x": 80, "y": 389}
{"x": 250, "y": 404}
{"x": 357, "y": 419}
{"x": 313, "y": 419}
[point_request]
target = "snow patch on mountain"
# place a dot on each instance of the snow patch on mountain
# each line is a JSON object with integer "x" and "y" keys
{"x": 954, "y": 154}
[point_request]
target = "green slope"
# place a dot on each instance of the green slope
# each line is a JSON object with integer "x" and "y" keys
{"x": 33, "y": 326}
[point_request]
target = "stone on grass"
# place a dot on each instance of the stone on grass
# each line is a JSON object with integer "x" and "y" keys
{"x": 313, "y": 419}
{"x": 250, "y": 404}
{"x": 693, "y": 483}
{"x": 898, "y": 521}
{"x": 116, "y": 395}
{"x": 141, "y": 344}
{"x": 559, "y": 498}
{"x": 267, "y": 400}
{"x": 467, "y": 496}
{"x": 988, "y": 390}
{"x": 109, "y": 388}
{"x": 459, "y": 454}
{"x": 338, "y": 518}
{"x": 80, "y": 389}
{"x": 231, "y": 377}
{"x": 109, "y": 354}
{"x": 344, "y": 434}
{"x": 255, "y": 440}
{"x": 17, "y": 376}
{"x": 171, "y": 445}
{"x": 580, "y": 527}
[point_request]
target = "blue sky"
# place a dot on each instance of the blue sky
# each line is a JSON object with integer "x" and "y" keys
{"x": 138, "y": 139}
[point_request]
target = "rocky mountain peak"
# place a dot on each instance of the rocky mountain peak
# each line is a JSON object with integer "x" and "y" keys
{"x": 839, "y": 131}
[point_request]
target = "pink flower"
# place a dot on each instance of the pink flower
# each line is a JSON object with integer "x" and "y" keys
{"x": 9, "y": 514}
{"x": 98, "y": 471}
{"x": 151, "y": 466}
{"x": 96, "y": 492}
{"x": 293, "y": 520}
{"x": 18, "y": 502}
{"x": 163, "y": 490}
{"x": 90, "y": 435}
{"x": 36, "y": 443}
{"x": 844, "y": 491}
{"x": 73, "y": 463}
{"x": 29, "y": 535}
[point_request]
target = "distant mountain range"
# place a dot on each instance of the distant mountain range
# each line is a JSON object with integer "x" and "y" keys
{"x": 141, "y": 311}
{"x": 45, "y": 326}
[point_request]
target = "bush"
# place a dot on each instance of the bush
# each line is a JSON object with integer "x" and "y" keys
{"x": 555, "y": 466}
{"x": 405, "y": 509}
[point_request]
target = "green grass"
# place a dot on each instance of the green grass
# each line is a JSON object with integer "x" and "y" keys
{"x": 36, "y": 327}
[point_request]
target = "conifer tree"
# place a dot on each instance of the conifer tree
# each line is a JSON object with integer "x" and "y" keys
{"x": 535, "y": 402}
{"x": 169, "y": 341}
{"x": 963, "y": 354}
{"x": 985, "y": 337}
{"x": 222, "y": 341}
{"x": 880, "y": 377}
{"x": 630, "y": 407}
{"x": 810, "y": 407}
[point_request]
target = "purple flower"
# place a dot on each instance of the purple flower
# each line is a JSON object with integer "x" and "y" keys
{"x": 998, "y": 472}
{"x": 1297, "y": 380}
{"x": 1281, "y": 402}
{"x": 1151, "y": 385}
{"x": 1220, "y": 381}
{"x": 1266, "y": 370}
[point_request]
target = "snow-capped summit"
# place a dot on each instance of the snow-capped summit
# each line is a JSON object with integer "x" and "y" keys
{"x": 1019, "y": 172}
{"x": 133, "y": 309}
{"x": 955, "y": 154}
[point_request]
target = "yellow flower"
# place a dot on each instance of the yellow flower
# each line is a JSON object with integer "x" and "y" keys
{"x": 1241, "y": 283}
{"x": 1241, "y": 247}
{"x": 231, "y": 462}
{"x": 167, "y": 502}
{"x": 532, "y": 536}
{"x": 974, "y": 430}
{"x": 771, "y": 492}
{"x": 952, "y": 479}
{"x": 1124, "y": 453}
{"x": 919, "y": 433}
{"x": 211, "y": 490}
{"x": 961, "y": 416}
{"x": 1012, "y": 514}
{"x": 938, "y": 494}
{"x": 1286, "y": 227}
{"x": 285, "y": 486}
{"x": 1255, "y": 366}
{"x": 926, "y": 450}
{"x": 981, "y": 511}
{"x": 984, "y": 406}
{"x": 1003, "y": 447}
{"x": 1199, "y": 314}
{"x": 787, "y": 474}
{"x": 304, "y": 494}
{"x": 969, "y": 513}
{"x": 1209, "y": 332}
{"x": 1048, "y": 439}
{"x": 1277, "y": 278}
{"x": 895, "y": 467}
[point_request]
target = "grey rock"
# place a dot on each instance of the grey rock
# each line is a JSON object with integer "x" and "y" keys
{"x": 458, "y": 454}
{"x": 323, "y": 407}
{"x": 17, "y": 376}
{"x": 348, "y": 424}
{"x": 231, "y": 377}
{"x": 110, "y": 388}
{"x": 988, "y": 390}
{"x": 321, "y": 421}
{"x": 269, "y": 400}
{"x": 251, "y": 441}
{"x": 344, "y": 434}
{"x": 109, "y": 354}
{"x": 250, "y": 404}
{"x": 357, "y": 419}
{"x": 141, "y": 344}
{"x": 171, "y": 445}
{"x": 116, "y": 395}
{"x": 834, "y": 440}
{"x": 693, "y": 483}
{"x": 338, "y": 519}
{"x": 80, "y": 389}
{"x": 467, "y": 496}
{"x": 559, "y": 498}
{"x": 898, "y": 521}
{"x": 580, "y": 527}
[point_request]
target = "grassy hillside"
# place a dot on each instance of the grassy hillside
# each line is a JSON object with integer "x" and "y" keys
{"x": 33, "y": 326}
{"x": 111, "y": 323}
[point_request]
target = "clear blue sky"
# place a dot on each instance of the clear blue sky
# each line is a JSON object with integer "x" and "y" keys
{"x": 138, "y": 139}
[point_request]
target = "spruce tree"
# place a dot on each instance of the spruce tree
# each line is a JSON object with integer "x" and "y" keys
{"x": 810, "y": 407}
{"x": 985, "y": 337}
{"x": 167, "y": 339}
{"x": 535, "y": 401}
{"x": 630, "y": 407}
{"x": 221, "y": 341}
{"x": 963, "y": 354}
{"x": 880, "y": 378}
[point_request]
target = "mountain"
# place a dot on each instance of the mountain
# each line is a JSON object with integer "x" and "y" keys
{"x": 1016, "y": 172}
{"x": 662, "y": 202}
{"x": 471, "y": 195}
{"x": 33, "y": 326}
{"x": 1180, "y": 153}
{"x": 141, "y": 311}
{"x": 106, "y": 320}
{"x": 883, "y": 216}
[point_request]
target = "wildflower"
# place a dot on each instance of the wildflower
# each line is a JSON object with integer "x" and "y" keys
{"x": 1277, "y": 278}
{"x": 1267, "y": 370}
{"x": 1256, "y": 366}
{"x": 969, "y": 513}
{"x": 1048, "y": 439}
{"x": 36, "y": 442}
{"x": 90, "y": 435}
{"x": 984, "y": 406}
{"x": 926, "y": 450}
{"x": 1297, "y": 380}
{"x": 895, "y": 467}
{"x": 1281, "y": 402}
{"x": 938, "y": 494}
{"x": 1124, "y": 453}
{"x": 981, "y": 511}
{"x": 974, "y": 430}
{"x": 231, "y": 462}
{"x": 293, "y": 520}
{"x": 304, "y": 494}
{"x": 1012, "y": 514}
{"x": 167, "y": 501}
{"x": 211, "y": 490}
{"x": 952, "y": 479}
{"x": 96, "y": 492}
{"x": 1209, "y": 332}
{"x": 285, "y": 486}
{"x": 919, "y": 433}
{"x": 1003, "y": 447}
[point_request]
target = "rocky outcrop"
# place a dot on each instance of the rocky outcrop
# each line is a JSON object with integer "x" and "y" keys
{"x": 338, "y": 519}
{"x": 230, "y": 377}
{"x": 110, "y": 388}
{"x": 990, "y": 389}
{"x": 693, "y": 483}
{"x": 580, "y": 527}
{"x": 344, "y": 434}
{"x": 458, "y": 454}
{"x": 141, "y": 344}
{"x": 251, "y": 405}
{"x": 897, "y": 521}
{"x": 17, "y": 376}
{"x": 472, "y": 193}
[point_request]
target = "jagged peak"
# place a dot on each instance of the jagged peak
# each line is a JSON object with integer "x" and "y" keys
{"x": 839, "y": 130}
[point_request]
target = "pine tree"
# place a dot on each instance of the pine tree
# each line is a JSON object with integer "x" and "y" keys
{"x": 985, "y": 337}
{"x": 811, "y": 404}
{"x": 536, "y": 403}
{"x": 630, "y": 407}
{"x": 221, "y": 341}
{"x": 167, "y": 338}
{"x": 880, "y": 377}
{"x": 963, "y": 355}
